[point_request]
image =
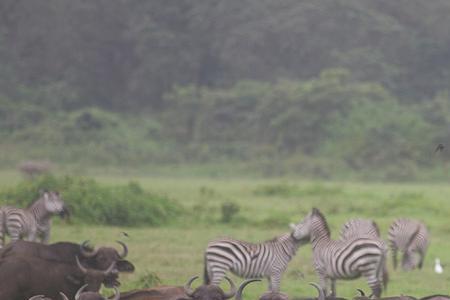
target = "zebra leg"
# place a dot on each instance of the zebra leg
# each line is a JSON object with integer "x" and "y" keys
{"x": 422, "y": 257}
{"x": 45, "y": 237}
{"x": 333, "y": 287}
{"x": 323, "y": 282}
{"x": 374, "y": 283}
{"x": 274, "y": 283}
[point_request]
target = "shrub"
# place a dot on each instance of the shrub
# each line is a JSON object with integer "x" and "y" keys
{"x": 91, "y": 202}
{"x": 229, "y": 210}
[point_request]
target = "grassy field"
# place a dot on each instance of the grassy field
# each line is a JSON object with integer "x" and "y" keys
{"x": 266, "y": 207}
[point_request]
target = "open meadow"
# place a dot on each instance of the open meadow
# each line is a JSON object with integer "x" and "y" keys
{"x": 265, "y": 207}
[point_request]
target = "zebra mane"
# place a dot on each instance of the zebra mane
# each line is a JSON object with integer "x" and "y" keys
{"x": 316, "y": 212}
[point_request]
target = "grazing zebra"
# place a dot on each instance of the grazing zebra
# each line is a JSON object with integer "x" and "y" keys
{"x": 359, "y": 227}
{"x": 410, "y": 237}
{"x": 267, "y": 259}
{"x": 363, "y": 227}
{"x": 342, "y": 259}
{"x": 32, "y": 223}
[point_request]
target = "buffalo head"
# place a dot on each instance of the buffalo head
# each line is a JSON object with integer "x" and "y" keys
{"x": 209, "y": 291}
{"x": 102, "y": 257}
{"x": 94, "y": 278}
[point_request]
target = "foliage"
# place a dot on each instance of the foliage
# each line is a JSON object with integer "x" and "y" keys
{"x": 228, "y": 210}
{"x": 127, "y": 205}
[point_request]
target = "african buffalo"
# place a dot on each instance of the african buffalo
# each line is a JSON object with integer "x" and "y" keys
{"x": 35, "y": 276}
{"x": 436, "y": 297}
{"x": 100, "y": 258}
{"x": 81, "y": 295}
{"x": 362, "y": 296}
{"x": 203, "y": 292}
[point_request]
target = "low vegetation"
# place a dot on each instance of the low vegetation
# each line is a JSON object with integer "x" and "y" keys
{"x": 94, "y": 203}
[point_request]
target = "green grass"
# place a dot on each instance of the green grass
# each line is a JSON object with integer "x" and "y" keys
{"x": 175, "y": 252}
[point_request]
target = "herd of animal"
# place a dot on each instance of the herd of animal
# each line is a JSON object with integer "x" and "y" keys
{"x": 31, "y": 269}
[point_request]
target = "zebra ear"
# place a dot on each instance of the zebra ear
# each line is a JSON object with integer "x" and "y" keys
{"x": 292, "y": 226}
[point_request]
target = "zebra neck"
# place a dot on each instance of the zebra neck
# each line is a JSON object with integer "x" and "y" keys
{"x": 319, "y": 238}
{"x": 289, "y": 244}
{"x": 41, "y": 215}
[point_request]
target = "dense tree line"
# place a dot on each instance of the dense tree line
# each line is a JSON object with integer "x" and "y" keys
{"x": 333, "y": 83}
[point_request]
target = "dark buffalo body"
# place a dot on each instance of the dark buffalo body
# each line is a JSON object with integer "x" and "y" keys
{"x": 66, "y": 252}
{"x": 24, "y": 277}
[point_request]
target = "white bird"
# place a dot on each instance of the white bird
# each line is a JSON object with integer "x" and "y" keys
{"x": 437, "y": 266}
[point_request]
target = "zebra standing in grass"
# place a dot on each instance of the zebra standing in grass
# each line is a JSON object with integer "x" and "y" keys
{"x": 32, "y": 223}
{"x": 363, "y": 227}
{"x": 342, "y": 259}
{"x": 410, "y": 237}
{"x": 267, "y": 259}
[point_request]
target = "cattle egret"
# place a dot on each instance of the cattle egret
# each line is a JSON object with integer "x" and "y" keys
{"x": 437, "y": 266}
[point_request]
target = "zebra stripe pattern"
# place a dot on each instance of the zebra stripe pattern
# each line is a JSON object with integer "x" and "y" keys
{"x": 410, "y": 237}
{"x": 32, "y": 223}
{"x": 342, "y": 259}
{"x": 355, "y": 227}
{"x": 363, "y": 227}
{"x": 268, "y": 259}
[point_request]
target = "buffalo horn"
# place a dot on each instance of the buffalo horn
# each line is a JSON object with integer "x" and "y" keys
{"x": 110, "y": 269}
{"x": 362, "y": 294}
{"x": 37, "y": 297}
{"x": 187, "y": 287}
{"x": 83, "y": 269}
{"x": 125, "y": 249}
{"x": 116, "y": 294}
{"x": 77, "y": 295}
{"x": 232, "y": 291}
{"x": 319, "y": 289}
{"x": 87, "y": 253}
{"x": 241, "y": 288}
{"x": 63, "y": 296}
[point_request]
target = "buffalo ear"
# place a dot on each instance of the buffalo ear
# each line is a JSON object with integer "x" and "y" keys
{"x": 124, "y": 266}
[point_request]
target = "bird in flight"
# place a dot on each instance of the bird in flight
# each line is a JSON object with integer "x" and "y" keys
{"x": 439, "y": 148}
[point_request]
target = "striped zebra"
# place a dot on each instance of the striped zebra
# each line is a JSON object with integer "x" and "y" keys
{"x": 364, "y": 227}
{"x": 359, "y": 226}
{"x": 268, "y": 259}
{"x": 342, "y": 259}
{"x": 32, "y": 223}
{"x": 411, "y": 237}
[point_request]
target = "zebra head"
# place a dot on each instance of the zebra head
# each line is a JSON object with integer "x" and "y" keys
{"x": 302, "y": 231}
{"x": 54, "y": 204}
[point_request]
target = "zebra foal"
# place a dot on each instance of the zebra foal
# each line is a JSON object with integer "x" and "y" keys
{"x": 350, "y": 258}
{"x": 268, "y": 259}
{"x": 32, "y": 223}
{"x": 411, "y": 237}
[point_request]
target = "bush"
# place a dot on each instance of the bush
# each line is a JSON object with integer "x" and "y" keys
{"x": 229, "y": 210}
{"x": 91, "y": 202}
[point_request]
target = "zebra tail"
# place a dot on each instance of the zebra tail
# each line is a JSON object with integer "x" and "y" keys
{"x": 206, "y": 279}
{"x": 2, "y": 226}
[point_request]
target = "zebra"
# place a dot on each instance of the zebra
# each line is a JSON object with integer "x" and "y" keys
{"x": 32, "y": 223}
{"x": 410, "y": 237}
{"x": 268, "y": 259}
{"x": 342, "y": 259}
{"x": 364, "y": 227}
{"x": 359, "y": 226}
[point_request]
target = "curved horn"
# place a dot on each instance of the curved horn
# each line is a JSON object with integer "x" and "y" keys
{"x": 37, "y": 297}
{"x": 187, "y": 287}
{"x": 110, "y": 269}
{"x": 116, "y": 294}
{"x": 86, "y": 253}
{"x": 319, "y": 289}
{"x": 77, "y": 295}
{"x": 125, "y": 249}
{"x": 63, "y": 296}
{"x": 241, "y": 288}
{"x": 361, "y": 292}
{"x": 83, "y": 269}
{"x": 232, "y": 291}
